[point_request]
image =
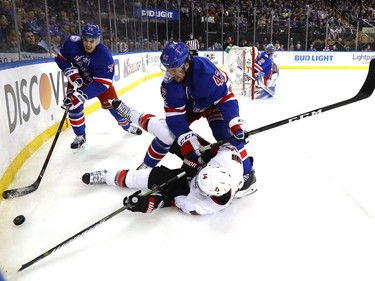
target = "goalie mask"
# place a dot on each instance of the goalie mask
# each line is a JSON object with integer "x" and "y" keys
{"x": 213, "y": 181}
{"x": 270, "y": 49}
{"x": 174, "y": 55}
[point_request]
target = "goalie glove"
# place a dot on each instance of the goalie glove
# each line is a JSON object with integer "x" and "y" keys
{"x": 73, "y": 76}
{"x": 190, "y": 145}
{"x": 75, "y": 99}
{"x": 237, "y": 128}
{"x": 140, "y": 203}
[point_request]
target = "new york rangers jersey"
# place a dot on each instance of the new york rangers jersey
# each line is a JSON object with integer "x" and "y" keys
{"x": 96, "y": 69}
{"x": 204, "y": 86}
{"x": 263, "y": 64}
{"x": 195, "y": 202}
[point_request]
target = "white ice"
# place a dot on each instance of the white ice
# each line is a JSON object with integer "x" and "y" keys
{"x": 313, "y": 217}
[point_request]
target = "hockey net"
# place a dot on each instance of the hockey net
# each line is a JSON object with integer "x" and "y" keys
{"x": 239, "y": 66}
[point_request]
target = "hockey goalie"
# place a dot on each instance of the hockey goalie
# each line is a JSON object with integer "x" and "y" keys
{"x": 266, "y": 73}
{"x": 252, "y": 72}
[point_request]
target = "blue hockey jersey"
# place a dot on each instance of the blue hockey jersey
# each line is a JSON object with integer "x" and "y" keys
{"x": 96, "y": 69}
{"x": 263, "y": 64}
{"x": 203, "y": 87}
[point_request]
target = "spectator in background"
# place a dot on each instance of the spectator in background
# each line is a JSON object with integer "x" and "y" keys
{"x": 228, "y": 43}
{"x": 326, "y": 48}
{"x": 6, "y": 10}
{"x": 56, "y": 42}
{"x": 312, "y": 48}
{"x": 13, "y": 39}
{"x": 40, "y": 41}
{"x": 33, "y": 23}
{"x": 29, "y": 44}
{"x": 368, "y": 48}
{"x": 4, "y": 31}
{"x": 339, "y": 45}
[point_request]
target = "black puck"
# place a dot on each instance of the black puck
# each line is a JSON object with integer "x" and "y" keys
{"x": 19, "y": 220}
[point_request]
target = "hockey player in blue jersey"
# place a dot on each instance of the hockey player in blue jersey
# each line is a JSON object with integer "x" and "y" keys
{"x": 271, "y": 81}
{"x": 193, "y": 87}
{"x": 88, "y": 66}
{"x": 263, "y": 69}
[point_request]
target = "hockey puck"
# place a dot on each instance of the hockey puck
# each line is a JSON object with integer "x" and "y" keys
{"x": 19, "y": 220}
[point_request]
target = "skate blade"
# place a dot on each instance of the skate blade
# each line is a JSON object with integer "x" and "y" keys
{"x": 79, "y": 149}
{"x": 247, "y": 192}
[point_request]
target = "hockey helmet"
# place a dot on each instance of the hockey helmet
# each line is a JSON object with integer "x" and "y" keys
{"x": 270, "y": 49}
{"x": 213, "y": 181}
{"x": 174, "y": 54}
{"x": 91, "y": 31}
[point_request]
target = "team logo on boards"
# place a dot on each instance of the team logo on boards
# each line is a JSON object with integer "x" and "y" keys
{"x": 310, "y": 57}
{"x": 27, "y": 97}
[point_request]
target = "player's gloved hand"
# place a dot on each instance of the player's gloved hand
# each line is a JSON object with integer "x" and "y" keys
{"x": 75, "y": 99}
{"x": 208, "y": 155}
{"x": 237, "y": 128}
{"x": 140, "y": 203}
{"x": 73, "y": 76}
{"x": 190, "y": 167}
{"x": 189, "y": 144}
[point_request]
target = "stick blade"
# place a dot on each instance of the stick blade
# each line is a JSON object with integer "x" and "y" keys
{"x": 369, "y": 84}
{"x": 18, "y": 192}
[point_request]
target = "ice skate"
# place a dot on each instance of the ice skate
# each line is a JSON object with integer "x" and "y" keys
{"x": 134, "y": 130}
{"x": 248, "y": 186}
{"x": 143, "y": 166}
{"x": 122, "y": 108}
{"x": 97, "y": 177}
{"x": 79, "y": 142}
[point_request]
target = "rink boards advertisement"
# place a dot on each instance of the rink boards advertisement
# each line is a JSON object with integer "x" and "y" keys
{"x": 32, "y": 94}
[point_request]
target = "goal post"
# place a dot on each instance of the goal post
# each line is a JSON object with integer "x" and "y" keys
{"x": 239, "y": 65}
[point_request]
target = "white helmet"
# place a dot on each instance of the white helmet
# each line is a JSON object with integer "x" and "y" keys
{"x": 213, "y": 181}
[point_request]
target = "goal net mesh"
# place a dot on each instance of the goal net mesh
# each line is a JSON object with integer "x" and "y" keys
{"x": 239, "y": 66}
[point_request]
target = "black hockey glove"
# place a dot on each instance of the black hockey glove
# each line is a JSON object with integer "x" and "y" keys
{"x": 140, "y": 203}
{"x": 190, "y": 167}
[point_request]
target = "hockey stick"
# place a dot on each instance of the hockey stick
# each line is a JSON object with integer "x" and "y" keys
{"x": 154, "y": 189}
{"x": 264, "y": 87}
{"x": 18, "y": 192}
{"x": 365, "y": 92}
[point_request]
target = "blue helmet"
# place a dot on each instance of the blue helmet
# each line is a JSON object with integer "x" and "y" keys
{"x": 91, "y": 31}
{"x": 174, "y": 54}
{"x": 270, "y": 49}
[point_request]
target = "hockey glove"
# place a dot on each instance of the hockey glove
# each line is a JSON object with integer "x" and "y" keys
{"x": 140, "y": 203}
{"x": 189, "y": 144}
{"x": 73, "y": 76}
{"x": 190, "y": 167}
{"x": 75, "y": 99}
{"x": 237, "y": 129}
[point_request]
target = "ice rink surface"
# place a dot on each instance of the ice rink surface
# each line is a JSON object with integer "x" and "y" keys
{"x": 313, "y": 217}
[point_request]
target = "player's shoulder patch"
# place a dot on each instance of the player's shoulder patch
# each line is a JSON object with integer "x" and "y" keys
{"x": 75, "y": 38}
{"x": 167, "y": 78}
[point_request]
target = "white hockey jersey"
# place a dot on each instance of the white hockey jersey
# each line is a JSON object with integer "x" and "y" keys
{"x": 198, "y": 204}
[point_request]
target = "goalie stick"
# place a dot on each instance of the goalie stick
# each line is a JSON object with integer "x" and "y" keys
{"x": 365, "y": 92}
{"x": 154, "y": 189}
{"x": 18, "y": 192}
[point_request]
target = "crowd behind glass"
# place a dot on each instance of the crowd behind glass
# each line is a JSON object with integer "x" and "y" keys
{"x": 41, "y": 26}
